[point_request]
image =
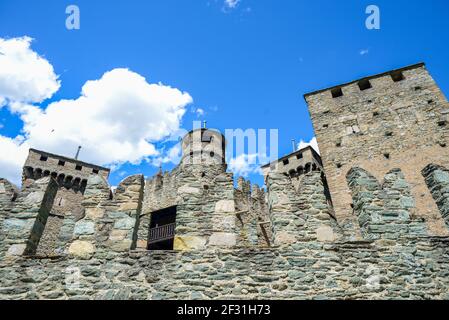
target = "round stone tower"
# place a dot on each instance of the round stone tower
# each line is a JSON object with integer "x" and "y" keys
{"x": 204, "y": 147}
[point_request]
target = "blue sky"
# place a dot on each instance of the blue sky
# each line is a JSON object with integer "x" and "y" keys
{"x": 246, "y": 67}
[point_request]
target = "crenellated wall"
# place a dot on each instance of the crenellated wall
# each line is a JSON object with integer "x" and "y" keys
{"x": 378, "y": 240}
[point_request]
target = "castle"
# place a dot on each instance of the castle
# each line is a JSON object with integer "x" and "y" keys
{"x": 368, "y": 219}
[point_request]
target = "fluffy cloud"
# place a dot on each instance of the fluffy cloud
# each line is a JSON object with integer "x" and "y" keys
{"x": 24, "y": 75}
{"x": 13, "y": 153}
{"x": 313, "y": 143}
{"x": 116, "y": 119}
{"x": 363, "y": 52}
{"x": 245, "y": 164}
{"x": 231, "y": 3}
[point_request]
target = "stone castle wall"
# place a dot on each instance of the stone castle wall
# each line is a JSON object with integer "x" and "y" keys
{"x": 394, "y": 120}
{"x": 386, "y": 239}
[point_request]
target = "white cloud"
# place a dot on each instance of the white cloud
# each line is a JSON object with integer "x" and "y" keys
{"x": 313, "y": 143}
{"x": 363, "y": 52}
{"x": 24, "y": 75}
{"x": 199, "y": 112}
{"x": 116, "y": 119}
{"x": 244, "y": 165}
{"x": 231, "y": 4}
{"x": 172, "y": 155}
{"x": 12, "y": 156}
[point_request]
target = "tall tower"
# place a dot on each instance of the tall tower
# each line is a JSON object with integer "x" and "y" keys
{"x": 393, "y": 121}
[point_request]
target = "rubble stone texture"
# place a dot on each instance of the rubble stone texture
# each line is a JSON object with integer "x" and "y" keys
{"x": 373, "y": 225}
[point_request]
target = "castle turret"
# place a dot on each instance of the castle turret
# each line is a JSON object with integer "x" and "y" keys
{"x": 205, "y": 147}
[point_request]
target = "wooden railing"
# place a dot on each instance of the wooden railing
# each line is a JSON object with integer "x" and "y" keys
{"x": 161, "y": 233}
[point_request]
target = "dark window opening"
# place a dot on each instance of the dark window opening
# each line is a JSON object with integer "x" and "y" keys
{"x": 397, "y": 76}
{"x": 206, "y": 137}
{"x": 337, "y": 92}
{"x": 285, "y": 162}
{"x": 339, "y": 165}
{"x": 212, "y": 154}
{"x": 338, "y": 144}
{"x": 43, "y": 158}
{"x": 430, "y": 101}
{"x": 61, "y": 163}
{"x": 162, "y": 229}
{"x": 364, "y": 85}
{"x": 79, "y": 168}
{"x": 375, "y": 114}
{"x": 389, "y": 133}
{"x": 417, "y": 88}
{"x": 387, "y": 155}
{"x": 325, "y": 126}
{"x": 95, "y": 171}
{"x": 299, "y": 156}
{"x": 442, "y": 123}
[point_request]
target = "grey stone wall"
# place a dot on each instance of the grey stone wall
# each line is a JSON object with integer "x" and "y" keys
{"x": 24, "y": 220}
{"x": 437, "y": 179}
{"x": 408, "y": 269}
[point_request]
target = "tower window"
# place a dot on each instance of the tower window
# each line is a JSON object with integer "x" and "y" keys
{"x": 387, "y": 155}
{"x": 61, "y": 163}
{"x": 43, "y": 158}
{"x": 337, "y": 92}
{"x": 364, "y": 85}
{"x": 397, "y": 76}
{"x": 95, "y": 171}
{"x": 299, "y": 156}
{"x": 212, "y": 154}
{"x": 78, "y": 167}
{"x": 285, "y": 162}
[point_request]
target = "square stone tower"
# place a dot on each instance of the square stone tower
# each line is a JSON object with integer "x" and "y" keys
{"x": 395, "y": 120}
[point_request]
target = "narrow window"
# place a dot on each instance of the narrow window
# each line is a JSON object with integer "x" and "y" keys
{"x": 417, "y": 88}
{"x": 44, "y": 158}
{"x": 337, "y": 92}
{"x": 364, "y": 84}
{"x": 78, "y": 167}
{"x": 212, "y": 154}
{"x": 397, "y": 76}
{"x": 61, "y": 163}
{"x": 325, "y": 126}
{"x": 285, "y": 162}
{"x": 387, "y": 155}
{"x": 299, "y": 156}
{"x": 95, "y": 171}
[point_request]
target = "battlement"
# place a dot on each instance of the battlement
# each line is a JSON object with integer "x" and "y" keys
{"x": 42, "y": 164}
{"x": 362, "y": 84}
{"x": 190, "y": 233}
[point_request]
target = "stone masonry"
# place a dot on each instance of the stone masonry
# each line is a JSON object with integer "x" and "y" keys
{"x": 368, "y": 220}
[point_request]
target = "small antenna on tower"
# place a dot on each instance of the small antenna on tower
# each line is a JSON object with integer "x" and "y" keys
{"x": 204, "y": 124}
{"x": 294, "y": 145}
{"x": 78, "y": 153}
